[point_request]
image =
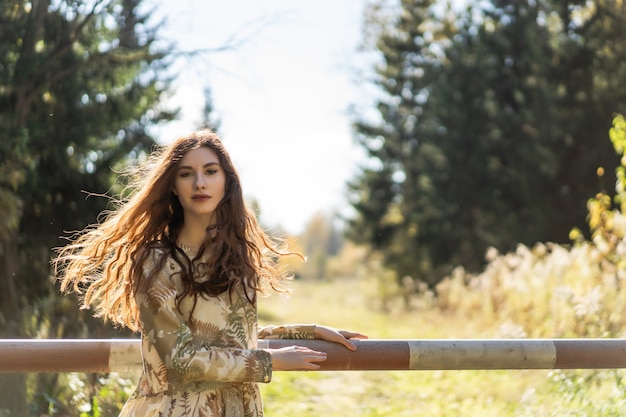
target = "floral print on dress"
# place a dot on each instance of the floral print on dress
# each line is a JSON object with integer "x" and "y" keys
{"x": 204, "y": 364}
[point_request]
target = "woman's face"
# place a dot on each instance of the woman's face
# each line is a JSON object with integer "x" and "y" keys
{"x": 199, "y": 183}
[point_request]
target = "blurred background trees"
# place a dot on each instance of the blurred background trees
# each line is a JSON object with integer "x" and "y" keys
{"x": 489, "y": 127}
{"x": 80, "y": 85}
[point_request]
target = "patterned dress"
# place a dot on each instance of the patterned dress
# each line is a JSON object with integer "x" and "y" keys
{"x": 204, "y": 365}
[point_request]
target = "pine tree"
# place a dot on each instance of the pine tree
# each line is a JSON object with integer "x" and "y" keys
{"x": 491, "y": 125}
{"x": 398, "y": 176}
{"x": 80, "y": 85}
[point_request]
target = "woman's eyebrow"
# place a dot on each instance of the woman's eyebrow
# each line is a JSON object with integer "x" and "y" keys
{"x": 204, "y": 166}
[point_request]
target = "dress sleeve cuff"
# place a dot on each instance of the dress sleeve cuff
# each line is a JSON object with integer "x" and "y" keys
{"x": 288, "y": 331}
{"x": 265, "y": 360}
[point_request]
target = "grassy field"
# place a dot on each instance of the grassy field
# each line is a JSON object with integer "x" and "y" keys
{"x": 351, "y": 304}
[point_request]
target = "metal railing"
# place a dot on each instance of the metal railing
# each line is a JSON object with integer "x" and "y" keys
{"x": 123, "y": 355}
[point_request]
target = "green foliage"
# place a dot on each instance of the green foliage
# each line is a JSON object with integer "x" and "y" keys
{"x": 485, "y": 130}
{"x": 617, "y": 134}
{"x": 551, "y": 290}
{"x": 80, "y": 86}
{"x": 84, "y": 395}
{"x": 573, "y": 389}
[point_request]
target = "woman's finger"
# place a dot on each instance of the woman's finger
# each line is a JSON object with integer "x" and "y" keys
{"x": 340, "y": 338}
{"x": 352, "y": 335}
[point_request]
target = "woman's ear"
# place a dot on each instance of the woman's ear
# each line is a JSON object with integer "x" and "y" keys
{"x": 174, "y": 191}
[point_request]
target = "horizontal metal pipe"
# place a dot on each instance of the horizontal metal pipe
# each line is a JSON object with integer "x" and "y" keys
{"x": 122, "y": 355}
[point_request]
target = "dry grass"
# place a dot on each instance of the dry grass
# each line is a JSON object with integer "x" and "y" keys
{"x": 345, "y": 304}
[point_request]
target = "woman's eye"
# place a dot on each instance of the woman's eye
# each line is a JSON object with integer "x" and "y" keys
{"x": 184, "y": 174}
{"x": 211, "y": 171}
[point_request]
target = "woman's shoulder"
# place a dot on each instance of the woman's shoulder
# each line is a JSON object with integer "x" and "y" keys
{"x": 154, "y": 255}
{"x": 158, "y": 266}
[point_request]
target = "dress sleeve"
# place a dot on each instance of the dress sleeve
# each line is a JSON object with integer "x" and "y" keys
{"x": 288, "y": 331}
{"x": 168, "y": 332}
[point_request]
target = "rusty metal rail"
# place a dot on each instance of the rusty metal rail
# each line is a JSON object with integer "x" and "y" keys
{"x": 122, "y": 355}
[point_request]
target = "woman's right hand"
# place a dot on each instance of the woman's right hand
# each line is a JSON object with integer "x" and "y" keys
{"x": 293, "y": 358}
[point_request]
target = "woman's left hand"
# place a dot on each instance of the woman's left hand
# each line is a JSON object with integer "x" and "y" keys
{"x": 342, "y": 337}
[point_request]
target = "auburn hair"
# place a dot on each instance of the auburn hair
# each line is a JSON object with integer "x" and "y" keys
{"x": 104, "y": 263}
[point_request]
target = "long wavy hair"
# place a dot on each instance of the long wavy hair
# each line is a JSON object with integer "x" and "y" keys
{"x": 104, "y": 263}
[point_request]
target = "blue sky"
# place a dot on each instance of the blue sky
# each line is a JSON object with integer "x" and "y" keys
{"x": 282, "y": 95}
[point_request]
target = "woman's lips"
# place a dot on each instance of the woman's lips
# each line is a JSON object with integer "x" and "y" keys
{"x": 200, "y": 197}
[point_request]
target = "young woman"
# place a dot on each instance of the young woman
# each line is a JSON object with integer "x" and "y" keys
{"x": 182, "y": 261}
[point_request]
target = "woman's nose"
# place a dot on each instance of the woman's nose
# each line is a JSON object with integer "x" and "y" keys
{"x": 200, "y": 183}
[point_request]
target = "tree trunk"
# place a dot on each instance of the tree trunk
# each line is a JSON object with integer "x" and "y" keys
{"x": 13, "y": 395}
{"x": 12, "y": 386}
{"x": 8, "y": 290}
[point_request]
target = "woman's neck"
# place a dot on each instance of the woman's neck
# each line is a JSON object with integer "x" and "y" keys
{"x": 193, "y": 233}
